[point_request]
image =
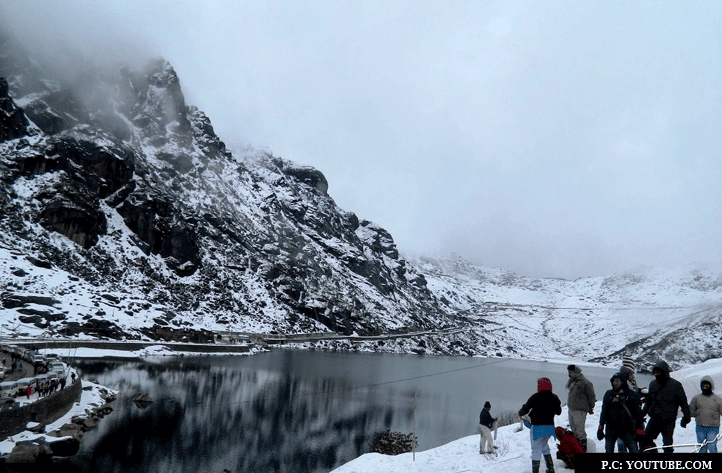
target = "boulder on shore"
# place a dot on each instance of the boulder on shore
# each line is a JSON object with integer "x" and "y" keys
{"x": 29, "y": 453}
{"x": 143, "y": 400}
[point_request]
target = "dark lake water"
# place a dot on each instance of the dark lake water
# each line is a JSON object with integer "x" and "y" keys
{"x": 295, "y": 410}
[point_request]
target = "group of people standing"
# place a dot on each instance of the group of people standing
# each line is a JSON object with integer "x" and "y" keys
{"x": 49, "y": 386}
{"x": 625, "y": 408}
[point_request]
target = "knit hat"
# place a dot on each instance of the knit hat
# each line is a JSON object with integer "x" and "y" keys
{"x": 487, "y": 404}
{"x": 662, "y": 366}
{"x": 543, "y": 384}
{"x": 628, "y": 362}
{"x": 574, "y": 368}
{"x": 621, "y": 377}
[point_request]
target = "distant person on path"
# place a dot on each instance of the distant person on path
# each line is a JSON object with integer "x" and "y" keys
{"x": 580, "y": 401}
{"x": 706, "y": 408}
{"x": 486, "y": 423}
{"x": 666, "y": 395}
{"x": 568, "y": 447}
{"x": 621, "y": 416}
{"x": 542, "y": 406}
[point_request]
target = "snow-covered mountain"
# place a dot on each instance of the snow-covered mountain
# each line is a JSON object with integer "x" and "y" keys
{"x": 118, "y": 187}
{"x": 123, "y": 215}
{"x": 669, "y": 313}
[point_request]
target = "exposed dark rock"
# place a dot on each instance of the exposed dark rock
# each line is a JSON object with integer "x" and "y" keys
{"x": 57, "y": 111}
{"x": 13, "y": 123}
{"x": 111, "y": 298}
{"x": 39, "y": 263}
{"x": 27, "y": 453}
{"x": 23, "y": 299}
{"x": 34, "y": 320}
{"x": 309, "y": 176}
{"x": 245, "y": 238}
{"x": 44, "y": 314}
{"x": 100, "y": 328}
{"x": 74, "y": 215}
{"x": 112, "y": 165}
{"x": 143, "y": 400}
{"x": 70, "y": 430}
{"x": 65, "y": 447}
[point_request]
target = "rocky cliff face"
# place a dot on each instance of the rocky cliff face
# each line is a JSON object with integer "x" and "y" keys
{"x": 123, "y": 215}
{"x": 115, "y": 183}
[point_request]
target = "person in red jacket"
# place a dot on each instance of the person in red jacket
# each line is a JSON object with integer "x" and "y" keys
{"x": 542, "y": 406}
{"x": 567, "y": 447}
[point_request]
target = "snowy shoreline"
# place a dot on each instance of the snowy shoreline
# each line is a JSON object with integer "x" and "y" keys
{"x": 513, "y": 453}
{"x": 93, "y": 397}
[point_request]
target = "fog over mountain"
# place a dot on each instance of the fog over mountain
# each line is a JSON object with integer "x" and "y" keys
{"x": 124, "y": 215}
{"x": 572, "y": 140}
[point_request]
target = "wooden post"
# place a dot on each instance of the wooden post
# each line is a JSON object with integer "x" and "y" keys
{"x": 413, "y": 448}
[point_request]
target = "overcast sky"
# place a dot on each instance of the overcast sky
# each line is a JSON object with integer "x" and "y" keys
{"x": 557, "y": 139}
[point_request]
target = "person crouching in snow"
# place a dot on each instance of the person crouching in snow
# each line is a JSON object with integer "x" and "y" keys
{"x": 706, "y": 408}
{"x": 486, "y": 423}
{"x": 621, "y": 414}
{"x": 568, "y": 447}
{"x": 542, "y": 406}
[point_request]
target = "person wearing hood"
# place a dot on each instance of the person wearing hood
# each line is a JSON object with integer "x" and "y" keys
{"x": 486, "y": 424}
{"x": 580, "y": 401}
{"x": 706, "y": 408}
{"x": 665, "y": 397}
{"x": 621, "y": 416}
{"x": 568, "y": 447}
{"x": 542, "y": 406}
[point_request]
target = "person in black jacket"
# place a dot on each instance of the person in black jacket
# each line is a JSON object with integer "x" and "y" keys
{"x": 621, "y": 414}
{"x": 486, "y": 424}
{"x": 542, "y": 406}
{"x": 666, "y": 395}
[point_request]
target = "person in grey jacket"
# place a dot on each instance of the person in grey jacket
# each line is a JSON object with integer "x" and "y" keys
{"x": 666, "y": 396}
{"x": 580, "y": 401}
{"x": 706, "y": 408}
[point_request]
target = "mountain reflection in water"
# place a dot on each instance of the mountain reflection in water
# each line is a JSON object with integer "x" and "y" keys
{"x": 210, "y": 415}
{"x": 292, "y": 410}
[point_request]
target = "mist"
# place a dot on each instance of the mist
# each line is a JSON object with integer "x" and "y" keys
{"x": 554, "y": 140}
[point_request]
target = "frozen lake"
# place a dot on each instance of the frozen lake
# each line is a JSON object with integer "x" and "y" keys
{"x": 295, "y": 410}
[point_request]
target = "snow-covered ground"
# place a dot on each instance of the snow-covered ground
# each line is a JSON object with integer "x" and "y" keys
{"x": 514, "y": 453}
{"x": 91, "y": 397}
